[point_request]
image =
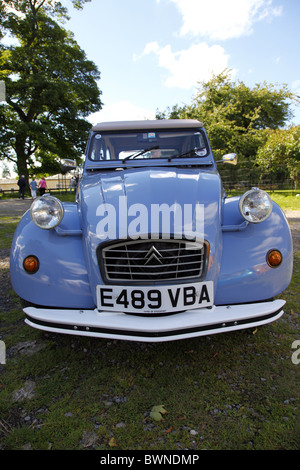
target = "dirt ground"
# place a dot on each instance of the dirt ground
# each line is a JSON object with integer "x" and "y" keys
{"x": 12, "y": 207}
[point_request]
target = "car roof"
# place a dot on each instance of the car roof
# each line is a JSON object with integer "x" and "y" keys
{"x": 147, "y": 124}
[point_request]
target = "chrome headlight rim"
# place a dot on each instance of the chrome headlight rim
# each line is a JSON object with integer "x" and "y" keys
{"x": 58, "y": 207}
{"x": 250, "y": 216}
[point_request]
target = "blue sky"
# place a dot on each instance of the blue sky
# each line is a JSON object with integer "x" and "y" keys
{"x": 153, "y": 53}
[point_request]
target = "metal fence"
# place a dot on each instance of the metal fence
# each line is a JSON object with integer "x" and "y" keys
{"x": 245, "y": 175}
{"x": 14, "y": 193}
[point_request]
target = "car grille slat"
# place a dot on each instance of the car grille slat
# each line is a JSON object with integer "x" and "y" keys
{"x": 148, "y": 265}
{"x": 152, "y": 260}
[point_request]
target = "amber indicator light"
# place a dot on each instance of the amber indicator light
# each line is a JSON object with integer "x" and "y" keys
{"x": 31, "y": 264}
{"x": 274, "y": 258}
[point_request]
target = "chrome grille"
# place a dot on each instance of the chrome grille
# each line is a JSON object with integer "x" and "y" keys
{"x": 152, "y": 260}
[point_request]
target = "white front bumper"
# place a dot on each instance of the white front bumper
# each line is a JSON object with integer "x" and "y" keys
{"x": 188, "y": 324}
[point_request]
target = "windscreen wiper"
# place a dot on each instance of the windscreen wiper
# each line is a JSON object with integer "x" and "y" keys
{"x": 190, "y": 153}
{"x": 135, "y": 155}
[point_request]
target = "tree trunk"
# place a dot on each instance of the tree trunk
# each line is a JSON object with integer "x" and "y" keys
{"x": 21, "y": 157}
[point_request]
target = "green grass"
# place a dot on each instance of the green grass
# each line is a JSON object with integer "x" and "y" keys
{"x": 286, "y": 200}
{"x": 7, "y": 228}
{"x": 228, "y": 391}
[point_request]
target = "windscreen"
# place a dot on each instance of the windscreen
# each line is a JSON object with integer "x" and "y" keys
{"x": 147, "y": 144}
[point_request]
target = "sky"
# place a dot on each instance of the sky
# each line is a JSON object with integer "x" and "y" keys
{"x": 152, "y": 54}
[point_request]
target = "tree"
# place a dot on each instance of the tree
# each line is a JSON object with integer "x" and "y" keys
{"x": 5, "y": 171}
{"x": 281, "y": 152}
{"x": 51, "y": 87}
{"x": 236, "y": 116}
{"x": 51, "y": 7}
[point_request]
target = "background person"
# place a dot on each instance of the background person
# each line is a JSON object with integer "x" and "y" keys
{"x": 22, "y": 186}
{"x": 33, "y": 188}
{"x": 42, "y": 186}
{"x": 72, "y": 186}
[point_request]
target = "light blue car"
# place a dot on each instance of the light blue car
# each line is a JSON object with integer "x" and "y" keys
{"x": 152, "y": 249}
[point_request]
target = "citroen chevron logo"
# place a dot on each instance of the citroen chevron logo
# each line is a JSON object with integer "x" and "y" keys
{"x": 153, "y": 254}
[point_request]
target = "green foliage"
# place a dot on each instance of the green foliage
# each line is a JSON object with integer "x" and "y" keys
{"x": 236, "y": 117}
{"x": 51, "y": 87}
{"x": 51, "y": 7}
{"x": 282, "y": 148}
{"x": 79, "y": 3}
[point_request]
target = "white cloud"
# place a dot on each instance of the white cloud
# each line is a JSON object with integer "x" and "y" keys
{"x": 187, "y": 67}
{"x": 296, "y": 87}
{"x": 223, "y": 19}
{"x": 121, "y": 111}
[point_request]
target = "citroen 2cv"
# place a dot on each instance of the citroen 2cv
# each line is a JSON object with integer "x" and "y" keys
{"x": 152, "y": 249}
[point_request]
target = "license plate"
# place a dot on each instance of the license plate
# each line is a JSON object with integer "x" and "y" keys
{"x": 155, "y": 299}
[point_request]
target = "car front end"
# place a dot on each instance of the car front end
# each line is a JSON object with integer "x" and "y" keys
{"x": 152, "y": 249}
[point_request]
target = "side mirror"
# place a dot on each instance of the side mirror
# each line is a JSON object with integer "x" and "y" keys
{"x": 67, "y": 165}
{"x": 230, "y": 158}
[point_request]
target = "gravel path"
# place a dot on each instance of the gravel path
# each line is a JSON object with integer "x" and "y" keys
{"x": 13, "y": 207}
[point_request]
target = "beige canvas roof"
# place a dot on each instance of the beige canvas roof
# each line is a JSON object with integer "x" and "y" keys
{"x": 147, "y": 124}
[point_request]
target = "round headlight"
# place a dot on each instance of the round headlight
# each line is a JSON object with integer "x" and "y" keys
{"x": 46, "y": 212}
{"x": 255, "y": 205}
